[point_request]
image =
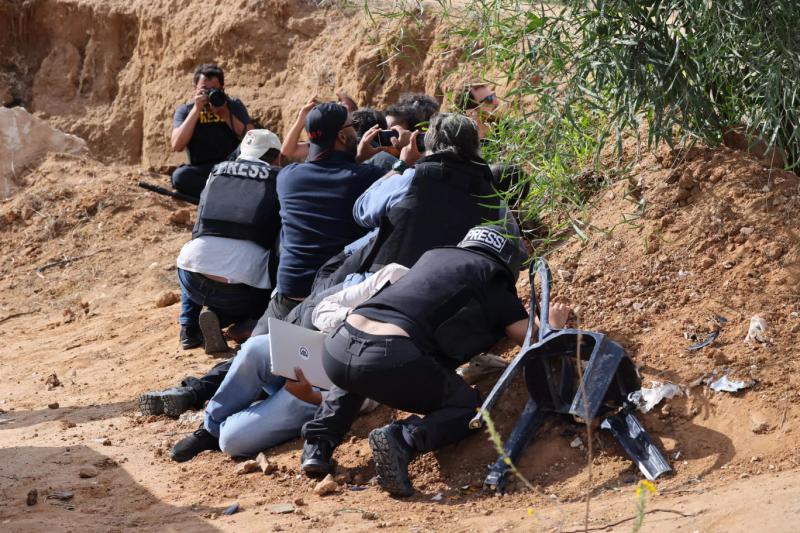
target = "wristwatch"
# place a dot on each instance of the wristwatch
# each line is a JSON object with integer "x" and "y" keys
{"x": 399, "y": 166}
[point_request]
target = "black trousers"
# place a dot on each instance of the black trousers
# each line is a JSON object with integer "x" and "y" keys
{"x": 205, "y": 387}
{"x": 191, "y": 179}
{"x": 393, "y": 371}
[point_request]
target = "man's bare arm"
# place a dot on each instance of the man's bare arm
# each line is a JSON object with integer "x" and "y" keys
{"x": 183, "y": 133}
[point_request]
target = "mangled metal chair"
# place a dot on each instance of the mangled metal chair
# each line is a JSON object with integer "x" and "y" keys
{"x": 551, "y": 376}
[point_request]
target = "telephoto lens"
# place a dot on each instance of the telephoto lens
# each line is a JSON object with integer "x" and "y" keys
{"x": 217, "y": 98}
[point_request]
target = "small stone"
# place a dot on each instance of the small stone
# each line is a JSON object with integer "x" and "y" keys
{"x": 326, "y": 486}
{"x": 52, "y": 382}
{"x": 299, "y": 502}
{"x": 266, "y": 466}
{"x": 277, "y": 527}
{"x": 758, "y": 423}
{"x": 53, "y": 405}
{"x": 168, "y": 298}
{"x": 682, "y": 195}
{"x": 106, "y": 442}
{"x": 181, "y": 217}
{"x": 281, "y": 508}
{"x": 369, "y": 515}
{"x": 248, "y": 467}
{"x": 360, "y": 479}
{"x": 87, "y": 472}
{"x": 33, "y": 497}
{"x": 746, "y": 230}
{"x": 707, "y": 262}
{"x": 667, "y": 220}
{"x": 576, "y": 443}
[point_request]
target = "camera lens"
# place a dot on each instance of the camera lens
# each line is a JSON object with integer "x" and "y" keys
{"x": 216, "y": 97}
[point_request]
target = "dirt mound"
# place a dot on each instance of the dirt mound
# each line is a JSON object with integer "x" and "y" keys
{"x": 118, "y": 84}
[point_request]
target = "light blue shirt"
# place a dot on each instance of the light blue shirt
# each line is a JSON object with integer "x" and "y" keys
{"x": 380, "y": 197}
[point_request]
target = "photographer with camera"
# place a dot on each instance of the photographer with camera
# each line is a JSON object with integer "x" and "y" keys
{"x": 209, "y": 129}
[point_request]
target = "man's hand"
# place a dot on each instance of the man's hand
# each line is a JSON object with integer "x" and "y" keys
{"x": 365, "y": 149}
{"x": 410, "y": 154}
{"x": 301, "y": 115}
{"x": 200, "y": 99}
{"x": 302, "y": 389}
{"x": 402, "y": 139}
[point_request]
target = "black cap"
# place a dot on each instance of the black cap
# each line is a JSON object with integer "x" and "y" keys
{"x": 496, "y": 242}
{"x": 322, "y": 124}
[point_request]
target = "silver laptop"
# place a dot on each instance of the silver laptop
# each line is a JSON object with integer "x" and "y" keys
{"x": 291, "y": 346}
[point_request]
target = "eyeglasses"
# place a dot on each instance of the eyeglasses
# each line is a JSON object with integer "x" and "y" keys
{"x": 350, "y": 125}
{"x": 489, "y": 99}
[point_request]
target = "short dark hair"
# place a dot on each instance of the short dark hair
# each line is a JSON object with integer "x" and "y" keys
{"x": 464, "y": 99}
{"x": 403, "y": 112}
{"x": 209, "y": 70}
{"x": 421, "y": 106}
{"x": 366, "y": 117}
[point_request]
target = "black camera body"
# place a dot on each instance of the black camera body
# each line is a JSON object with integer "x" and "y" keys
{"x": 385, "y": 138}
{"x": 217, "y": 97}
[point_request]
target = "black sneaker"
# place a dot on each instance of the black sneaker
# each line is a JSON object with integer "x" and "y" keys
{"x": 199, "y": 441}
{"x": 391, "y": 455}
{"x": 316, "y": 458}
{"x": 213, "y": 341}
{"x": 191, "y": 337}
{"x": 171, "y": 402}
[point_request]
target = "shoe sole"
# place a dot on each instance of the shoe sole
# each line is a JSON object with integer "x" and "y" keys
{"x": 175, "y": 406}
{"x": 386, "y": 453}
{"x": 213, "y": 342}
{"x": 151, "y": 404}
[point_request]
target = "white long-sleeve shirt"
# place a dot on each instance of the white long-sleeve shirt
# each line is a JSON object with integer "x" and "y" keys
{"x": 331, "y": 311}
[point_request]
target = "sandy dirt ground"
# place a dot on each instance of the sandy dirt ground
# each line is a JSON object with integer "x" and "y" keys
{"x": 87, "y": 256}
{"x": 87, "y": 274}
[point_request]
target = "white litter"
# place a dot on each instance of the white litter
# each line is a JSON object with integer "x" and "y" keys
{"x": 645, "y": 399}
{"x": 576, "y": 443}
{"x": 758, "y": 326}
{"x": 724, "y": 384}
{"x": 437, "y": 497}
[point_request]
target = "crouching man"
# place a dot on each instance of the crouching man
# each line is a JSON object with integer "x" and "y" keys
{"x": 402, "y": 346}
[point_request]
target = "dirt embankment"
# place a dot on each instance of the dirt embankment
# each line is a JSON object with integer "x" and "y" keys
{"x": 86, "y": 255}
{"x": 114, "y": 72}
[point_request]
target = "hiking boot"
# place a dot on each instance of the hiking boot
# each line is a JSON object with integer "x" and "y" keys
{"x": 213, "y": 341}
{"x": 199, "y": 441}
{"x": 316, "y": 458}
{"x": 391, "y": 455}
{"x": 171, "y": 402}
{"x": 190, "y": 337}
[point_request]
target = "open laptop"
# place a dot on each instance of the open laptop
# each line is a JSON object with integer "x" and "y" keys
{"x": 291, "y": 346}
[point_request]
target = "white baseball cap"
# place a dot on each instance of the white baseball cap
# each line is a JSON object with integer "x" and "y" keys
{"x": 257, "y": 142}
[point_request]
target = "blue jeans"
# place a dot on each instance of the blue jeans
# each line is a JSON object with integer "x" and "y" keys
{"x": 231, "y": 302}
{"x": 245, "y": 428}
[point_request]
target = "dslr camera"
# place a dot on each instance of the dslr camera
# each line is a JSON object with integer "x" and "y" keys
{"x": 216, "y": 97}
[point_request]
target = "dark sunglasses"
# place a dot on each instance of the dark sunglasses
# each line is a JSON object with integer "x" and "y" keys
{"x": 489, "y": 99}
{"x": 348, "y": 125}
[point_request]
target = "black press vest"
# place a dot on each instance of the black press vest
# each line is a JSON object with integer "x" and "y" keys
{"x": 444, "y": 298}
{"x": 446, "y": 198}
{"x": 240, "y": 201}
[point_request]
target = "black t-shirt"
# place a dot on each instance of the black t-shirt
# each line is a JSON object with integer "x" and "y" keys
{"x": 441, "y": 283}
{"x": 213, "y": 139}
